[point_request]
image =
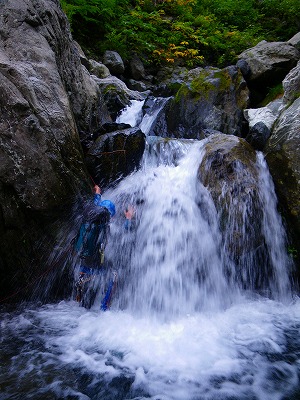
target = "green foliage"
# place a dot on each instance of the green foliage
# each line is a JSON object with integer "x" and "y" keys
{"x": 89, "y": 19}
{"x": 280, "y": 18}
{"x": 88, "y": 10}
{"x": 273, "y": 94}
{"x": 185, "y": 32}
{"x": 233, "y": 12}
{"x": 293, "y": 252}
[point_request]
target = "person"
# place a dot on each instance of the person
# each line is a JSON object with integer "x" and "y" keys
{"x": 90, "y": 245}
{"x": 129, "y": 214}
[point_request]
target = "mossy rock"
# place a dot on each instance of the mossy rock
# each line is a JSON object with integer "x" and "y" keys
{"x": 228, "y": 170}
{"x": 209, "y": 99}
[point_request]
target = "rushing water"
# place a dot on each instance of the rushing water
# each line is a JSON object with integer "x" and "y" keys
{"x": 180, "y": 326}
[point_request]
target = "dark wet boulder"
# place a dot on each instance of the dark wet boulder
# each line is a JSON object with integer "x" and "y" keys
{"x": 209, "y": 98}
{"x": 229, "y": 171}
{"x": 115, "y": 155}
{"x": 169, "y": 81}
{"x": 136, "y": 68}
{"x": 114, "y": 126}
{"x": 137, "y": 85}
{"x": 258, "y": 136}
{"x": 117, "y": 95}
{"x": 113, "y": 61}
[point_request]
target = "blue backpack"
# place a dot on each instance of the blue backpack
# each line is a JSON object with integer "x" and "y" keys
{"x": 92, "y": 233}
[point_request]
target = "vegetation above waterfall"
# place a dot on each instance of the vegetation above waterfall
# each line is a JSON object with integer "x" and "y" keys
{"x": 185, "y": 32}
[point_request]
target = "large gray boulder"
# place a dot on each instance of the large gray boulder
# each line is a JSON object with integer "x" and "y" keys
{"x": 209, "y": 99}
{"x": 46, "y": 96}
{"x": 266, "y": 65}
{"x": 291, "y": 85}
{"x": 295, "y": 41}
{"x": 228, "y": 170}
{"x": 283, "y": 156}
{"x": 117, "y": 95}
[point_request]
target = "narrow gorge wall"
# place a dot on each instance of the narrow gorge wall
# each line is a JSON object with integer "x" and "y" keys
{"x": 46, "y": 97}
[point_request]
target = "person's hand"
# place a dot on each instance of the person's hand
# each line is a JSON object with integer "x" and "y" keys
{"x": 97, "y": 189}
{"x": 129, "y": 212}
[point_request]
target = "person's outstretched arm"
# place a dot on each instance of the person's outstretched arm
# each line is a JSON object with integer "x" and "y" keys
{"x": 97, "y": 195}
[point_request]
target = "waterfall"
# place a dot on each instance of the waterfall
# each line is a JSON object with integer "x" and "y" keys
{"x": 173, "y": 265}
{"x": 274, "y": 233}
{"x": 185, "y": 323}
{"x": 132, "y": 114}
{"x": 176, "y": 260}
{"x": 152, "y": 114}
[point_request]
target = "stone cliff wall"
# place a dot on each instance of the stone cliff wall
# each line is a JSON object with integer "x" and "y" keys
{"x": 46, "y": 97}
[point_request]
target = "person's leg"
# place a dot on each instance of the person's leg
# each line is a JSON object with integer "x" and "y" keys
{"x": 89, "y": 296}
{"x": 83, "y": 286}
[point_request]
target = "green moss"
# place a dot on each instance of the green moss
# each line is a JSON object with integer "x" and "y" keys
{"x": 293, "y": 252}
{"x": 273, "y": 94}
{"x": 109, "y": 88}
{"x": 182, "y": 92}
{"x": 201, "y": 86}
{"x": 198, "y": 87}
{"x": 174, "y": 87}
{"x": 225, "y": 80}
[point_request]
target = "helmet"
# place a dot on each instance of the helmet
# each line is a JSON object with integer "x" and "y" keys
{"x": 110, "y": 206}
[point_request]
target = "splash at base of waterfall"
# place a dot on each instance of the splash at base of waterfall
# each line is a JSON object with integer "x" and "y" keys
{"x": 249, "y": 352}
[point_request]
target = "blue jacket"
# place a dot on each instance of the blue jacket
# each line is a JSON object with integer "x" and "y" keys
{"x": 97, "y": 199}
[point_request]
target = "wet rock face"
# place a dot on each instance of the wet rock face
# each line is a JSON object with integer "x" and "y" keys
{"x": 291, "y": 85}
{"x": 210, "y": 99}
{"x": 283, "y": 156}
{"x": 46, "y": 96}
{"x": 115, "y": 154}
{"x": 228, "y": 170}
{"x": 266, "y": 65}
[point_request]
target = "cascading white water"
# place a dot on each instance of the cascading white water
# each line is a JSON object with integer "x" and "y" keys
{"x": 150, "y": 117}
{"x": 175, "y": 265}
{"x": 274, "y": 233}
{"x": 176, "y": 262}
{"x": 181, "y": 327}
{"x": 132, "y": 114}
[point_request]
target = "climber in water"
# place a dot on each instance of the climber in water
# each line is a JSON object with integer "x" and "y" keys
{"x": 90, "y": 244}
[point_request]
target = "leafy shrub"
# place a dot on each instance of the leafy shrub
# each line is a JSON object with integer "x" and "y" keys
{"x": 184, "y": 32}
